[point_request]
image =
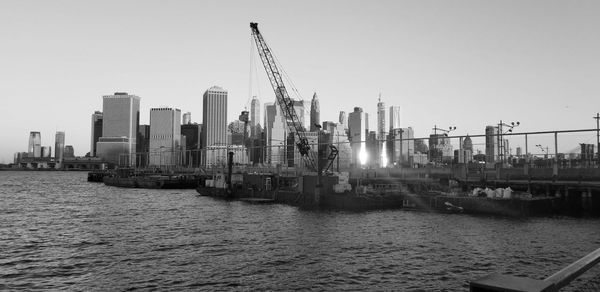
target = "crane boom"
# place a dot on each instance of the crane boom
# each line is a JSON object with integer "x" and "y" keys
{"x": 286, "y": 104}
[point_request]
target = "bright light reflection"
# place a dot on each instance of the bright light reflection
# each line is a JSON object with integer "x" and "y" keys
{"x": 362, "y": 154}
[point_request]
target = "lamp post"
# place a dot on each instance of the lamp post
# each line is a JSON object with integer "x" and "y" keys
{"x": 501, "y": 132}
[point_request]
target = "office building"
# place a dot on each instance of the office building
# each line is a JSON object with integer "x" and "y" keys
{"x": 120, "y": 121}
{"x": 358, "y": 125}
{"x": 394, "y": 117}
{"x": 59, "y": 148}
{"x": 343, "y": 120}
{"x": 143, "y": 146}
{"x": 468, "y": 144}
{"x": 96, "y": 131}
{"x": 491, "y": 144}
{"x": 192, "y": 134}
{"x": 187, "y": 118}
{"x": 382, "y": 131}
{"x": 69, "y": 151}
{"x": 269, "y": 119}
{"x": 35, "y": 144}
{"x": 255, "y": 118}
{"x": 214, "y": 117}
{"x": 315, "y": 113}
{"x": 46, "y": 151}
{"x": 165, "y": 137}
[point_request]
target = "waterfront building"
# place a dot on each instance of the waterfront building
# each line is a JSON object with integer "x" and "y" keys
{"x": 214, "y": 117}
{"x": 192, "y": 134}
{"x": 394, "y": 117}
{"x": 120, "y": 121}
{"x": 59, "y": 148}
{"x": 165, "y": 137}
{"x": 35, "y": 144}
{"x": 491, "y": 144}
{"x": 358, "y": 125}
{"x": 187, "y": 118}
{"x": 69, "y": 151}
{"x": 96, "y": 131}
{"x": 255, "y": 118}
{"x": 315, "y": 113}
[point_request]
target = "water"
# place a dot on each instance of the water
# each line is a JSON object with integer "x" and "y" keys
{"x": 58, "y": 231}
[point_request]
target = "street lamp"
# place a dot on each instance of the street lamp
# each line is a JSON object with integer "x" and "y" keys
{"x": 501, "y": 132}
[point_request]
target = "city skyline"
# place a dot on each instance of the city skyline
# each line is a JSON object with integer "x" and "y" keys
{"x": 457, "y": 64}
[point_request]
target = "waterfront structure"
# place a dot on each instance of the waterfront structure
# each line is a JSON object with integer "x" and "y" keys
{"x": 214, "y": 117}
{"x": 97, "y": 120}
{"x": 315, "y": 113}
{"x": 120, "y": 121}
{"x": 69, "y": 151}
{"x": 59, "y": 148}
{"x": 491, "y": 144}
{"x": 394, "y": 117}
{"x": 165, "y": 137}
{"x": 358, "y": 125}
{"x": 255, "y": 118}
{"x": 35, "y": 144}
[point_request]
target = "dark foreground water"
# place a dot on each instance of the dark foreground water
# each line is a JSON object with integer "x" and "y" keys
{"x": 58, "y": 231}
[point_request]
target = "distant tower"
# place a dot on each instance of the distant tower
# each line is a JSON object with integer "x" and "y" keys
{"x": 467, "y": 143}
{"x": 343, "y": 120}
{"x": 96, "y": 131}
{"x": 254, "y": 117}
{"x": 381, "y": 122}
{"x": 35, "y": 144}
{"x": 315, "y": 113}
{"x": 358, "y": 125}
{"x": 394, "y": 117}
{"x": 491, "y": 144}
{"x": 165, "y": 137}
{"x": 69, "y": 151}
{"x": 59, "y": 147}
{"x": 187, "y": 118}
{"x": 214, "y": 117}
{"x": 120, "y": 122}
{"x": 269, "y": 120}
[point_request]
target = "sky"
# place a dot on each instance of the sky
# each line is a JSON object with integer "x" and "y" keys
{"x": 466, "y": 64}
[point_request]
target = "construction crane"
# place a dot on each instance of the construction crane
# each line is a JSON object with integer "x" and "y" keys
{"x": 286, "y": 105}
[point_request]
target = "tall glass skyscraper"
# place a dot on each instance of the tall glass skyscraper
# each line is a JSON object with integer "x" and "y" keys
{"x": 165, "y": 137}
{"x": 35, "y": 144}
{"x": 214, "y": 117}
{"x": 121, "y": 117}
{"x": 59, "y": 147}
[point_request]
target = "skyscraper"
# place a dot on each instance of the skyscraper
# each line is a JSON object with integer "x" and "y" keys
{"x": 358, "y": 125}
{"x": 394, "y": 117}
{"x": 343, "y": 120}
{"x": 121, "y": 116}
{"x": 187, "y": 118}
{"x": 35, "y": 144}
{"x": 269, "y": 119}
{"x": 59, "y": 147}
{"x": 192, "y": 135}
{"x": 96, "y": 131}
{"x": 381, "y": 134}
{"x": 315, "y": 113}
{"x": 69, "y": 151}
{"x": 254, "y": 117}
{"x": 214, "y": 117}
{"x": 491, "y": 144}
{"x": 165, "y": 137}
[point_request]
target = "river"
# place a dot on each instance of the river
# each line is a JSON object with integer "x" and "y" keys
{"x": 57, "y": 231}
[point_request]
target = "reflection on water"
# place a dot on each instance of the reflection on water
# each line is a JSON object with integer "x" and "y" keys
{"x": 59, "y": 231}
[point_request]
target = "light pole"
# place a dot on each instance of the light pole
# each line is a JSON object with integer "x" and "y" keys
{"x": 501, "y": 150}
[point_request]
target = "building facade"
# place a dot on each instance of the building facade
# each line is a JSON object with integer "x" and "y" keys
{"x": 35, "y": 144}
{"x": 491, "y": 144}
{"x": 120, "y": 121}
{"x": 214, "y": 117}
{"x": 165, "y": 137}
{"x": 315, "y": 113}
{"x": 394, "y": 117}
{"x": 59, "y": 148}
{"x": 96, "y": 131}
{"x": 358, "y": 126}
{"x": 255, "y": 118}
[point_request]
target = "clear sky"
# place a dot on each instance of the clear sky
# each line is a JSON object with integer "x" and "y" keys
{"x": 448, "y": 63}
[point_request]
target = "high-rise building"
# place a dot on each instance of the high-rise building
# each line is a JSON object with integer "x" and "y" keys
{"x": 358, "y": 125}
{"x": 69, "y": 151}
{"x": 254, "y": 118}
{"x": 491, "y": 144}
{"x": 120, "y": 121}
{"x": 381, "y": 135}
{"x": 192, "y": 134}
{"x": 96, "y": 131}
{"x": 187, "y": 118}
{"x": 343, "y": 120}
{"x": 315, "y": 113}
{"x": 468, "y": 144}
{"x": 165, "y": 137}
{"x": 214, "y": 117}
{"x": 394, "y": 117}
{"x": 59, "y": 147}
{"x": 269, "y": 119}
{"x": 35, "y": 144}
{"x": 46, "y": 151}
{"x": 143, "y": 145}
